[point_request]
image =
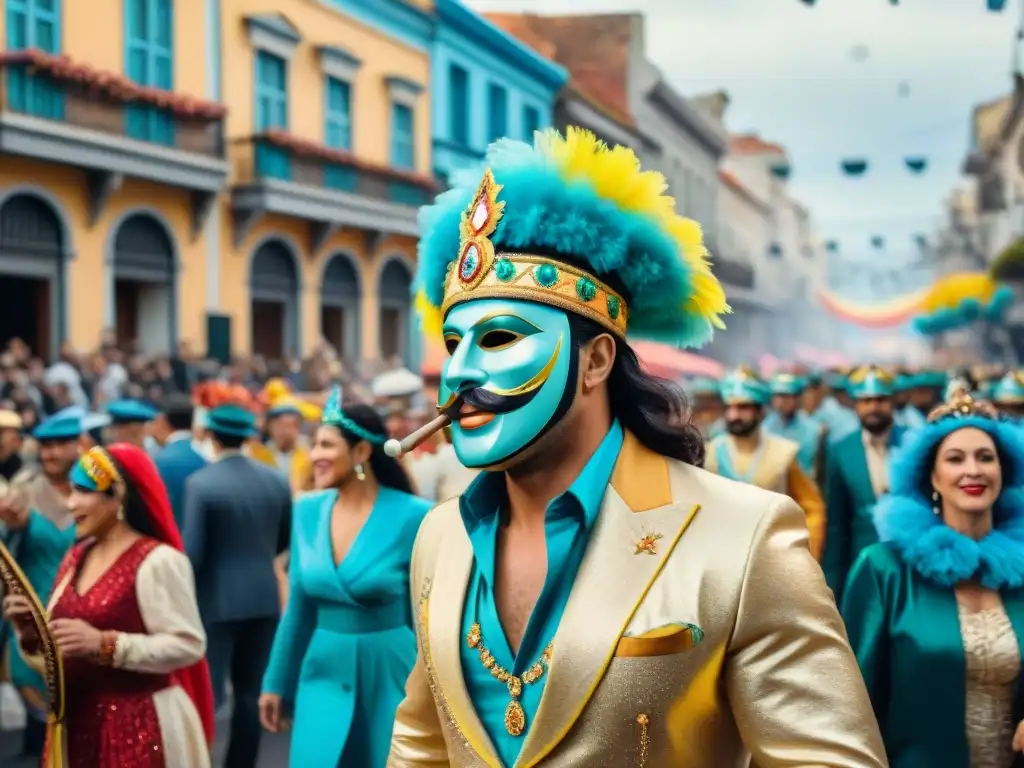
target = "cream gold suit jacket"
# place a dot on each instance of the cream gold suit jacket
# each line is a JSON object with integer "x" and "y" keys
{"x": 768, "y": 674}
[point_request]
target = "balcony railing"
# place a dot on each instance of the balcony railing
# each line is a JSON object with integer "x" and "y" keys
{"x": 286, "y": 159}
{"x": 71, "y": 98}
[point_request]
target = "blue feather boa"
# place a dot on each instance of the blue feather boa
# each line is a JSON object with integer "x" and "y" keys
{"x": 905, "y": 519}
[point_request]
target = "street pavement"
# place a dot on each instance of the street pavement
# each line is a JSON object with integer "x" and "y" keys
{"x": 273, "y": 749}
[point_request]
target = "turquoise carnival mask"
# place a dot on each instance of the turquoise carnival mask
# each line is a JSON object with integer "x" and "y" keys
{"x": 505, "y": 263}
{"x": 512, "y": 359}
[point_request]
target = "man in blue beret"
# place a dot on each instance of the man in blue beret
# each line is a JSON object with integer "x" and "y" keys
{"x": 129, "y": 421}
{"x": 236, "y": 521}
{"x": 857, "y": 474}
{"x": 788, "y": 421}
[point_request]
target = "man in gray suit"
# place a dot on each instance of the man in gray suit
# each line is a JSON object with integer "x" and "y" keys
{"x": 237, "y": 519}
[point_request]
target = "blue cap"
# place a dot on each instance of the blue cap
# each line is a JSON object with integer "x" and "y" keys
{"x": 787, "y": 384}
{"x": 744, "y": 387}
{"x": 1009, "y": 390}
{"x": 93, "y": 421}
{"x": 63, "y": 425}
{"x": 869, "y": 381}
{"x": 702, "y": 386}
{"x": 836, "y": 380}
{"x": 131, "y": 412}
{"x": 903, "y": 382}
{"x": 284, "y": 409}
{"x": 931, "y": 380}
{"x": 231, "y": 420}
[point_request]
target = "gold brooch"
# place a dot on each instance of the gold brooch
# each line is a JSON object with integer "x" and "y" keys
{"x": 648, "y": 544}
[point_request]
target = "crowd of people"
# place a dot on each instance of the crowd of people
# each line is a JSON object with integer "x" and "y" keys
{"x": 571, "y": 564}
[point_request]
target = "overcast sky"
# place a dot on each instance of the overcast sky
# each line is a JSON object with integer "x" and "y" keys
{"x": 795, "y": 77}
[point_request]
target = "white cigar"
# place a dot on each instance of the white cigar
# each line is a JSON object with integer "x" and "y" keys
{"x": 395, "y": 448}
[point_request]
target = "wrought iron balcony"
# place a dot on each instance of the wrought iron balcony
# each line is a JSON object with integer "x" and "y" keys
{"x": 54, "y": 110}
{"x": 331, "y": 188}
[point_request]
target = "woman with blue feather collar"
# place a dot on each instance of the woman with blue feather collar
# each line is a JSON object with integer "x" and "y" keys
{"x": 935, "y": 611}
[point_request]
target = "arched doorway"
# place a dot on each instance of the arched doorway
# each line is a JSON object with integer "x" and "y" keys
{"x": 274, "y": 292}
{"x": 145, "y": 304}
{"x": 31, "y": 274}
{"x": 339, "y": 306}
{"x": 395, "y": 315}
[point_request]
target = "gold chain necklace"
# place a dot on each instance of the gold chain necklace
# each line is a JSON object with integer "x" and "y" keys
{"x": 515, "y": 716}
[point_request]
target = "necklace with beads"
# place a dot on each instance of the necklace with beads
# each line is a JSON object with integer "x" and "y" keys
{"x": 515, "y": 715}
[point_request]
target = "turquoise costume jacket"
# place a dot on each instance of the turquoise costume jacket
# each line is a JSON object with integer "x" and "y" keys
{"x": 41, "y": 547}
{"x": 905, "y": 632}
{"x": 568, "y": 523}
{"x": 849, "y": 499}
{"x": 909, "y": 417}
{"x": 802, "y": 430}
{"x": 346, "y": 643}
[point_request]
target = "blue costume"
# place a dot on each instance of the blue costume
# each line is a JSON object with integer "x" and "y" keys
{"x": 346, "y": 644}
{"x": 850, "y": 492}
{"x": 176, "y": 462}
{"x": 907, "y": 416}
{"x": 1008, "y": 396}
{"x": 903, "y": 618}
{"x": 800, "y": 428}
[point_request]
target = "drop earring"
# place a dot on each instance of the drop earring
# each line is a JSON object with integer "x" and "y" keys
{"x": 936, "y": 506}
{"x": 120, "y": 512}
{"x": 360, "y": 474}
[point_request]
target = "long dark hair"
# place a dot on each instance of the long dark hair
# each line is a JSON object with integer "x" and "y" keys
{"x": 652, "y": 408}
{"x": 386, "y": 469}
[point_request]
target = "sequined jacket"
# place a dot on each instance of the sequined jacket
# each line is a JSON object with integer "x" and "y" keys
{"x": 719, "y": 642}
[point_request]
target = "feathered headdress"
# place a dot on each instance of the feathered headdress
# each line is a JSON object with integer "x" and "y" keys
{"x": 562, "y": 223}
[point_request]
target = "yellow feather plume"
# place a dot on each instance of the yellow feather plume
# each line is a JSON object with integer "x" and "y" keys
{"x": 616, "y": 176}
{"x": 430, "y": 316}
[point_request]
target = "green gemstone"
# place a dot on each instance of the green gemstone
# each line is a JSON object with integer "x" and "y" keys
{"x": 613, "y": 307}
{"x": 505, "y": 270}
{"x": 586, "y": 289}
{"x": 546, "y": 275}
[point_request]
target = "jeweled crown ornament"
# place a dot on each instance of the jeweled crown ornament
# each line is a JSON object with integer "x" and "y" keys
{"x": 481, "y": 272}
{"x": 961, "y": 404}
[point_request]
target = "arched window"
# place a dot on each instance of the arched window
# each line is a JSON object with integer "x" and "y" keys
{"x": 274, "y": 291}
{"x": 395, "y": 303}
{"x": 144, "y": 285}
{"x": 339, "y": 306}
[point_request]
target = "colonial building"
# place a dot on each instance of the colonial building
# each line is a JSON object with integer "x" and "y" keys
{"x": 486, "y": 85}
{"x": 236, "y": 173}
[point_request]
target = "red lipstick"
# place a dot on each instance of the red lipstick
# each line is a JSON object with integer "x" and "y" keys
{"x": 973, "y": 490}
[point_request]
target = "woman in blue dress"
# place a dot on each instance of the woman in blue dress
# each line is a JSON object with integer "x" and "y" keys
{"x": 345, "y": 645}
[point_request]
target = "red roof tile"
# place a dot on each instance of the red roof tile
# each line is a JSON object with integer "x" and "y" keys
{"x": 111, "y": 85}
{"x": 752, "y": 144}
{"x": 307, "y": 148}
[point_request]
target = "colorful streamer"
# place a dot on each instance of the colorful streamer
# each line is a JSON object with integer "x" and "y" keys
{"x": 959, "y": 300}
{"x": 885, "y": 315}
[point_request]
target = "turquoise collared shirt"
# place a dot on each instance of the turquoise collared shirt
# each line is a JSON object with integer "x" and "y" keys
{"x": 802, "y": 430}
{"x": 568, "y": 522}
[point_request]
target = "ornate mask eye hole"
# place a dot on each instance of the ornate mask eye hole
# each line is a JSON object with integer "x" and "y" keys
{"x": 451, "y": 342}
{"x": 492, "y": 341}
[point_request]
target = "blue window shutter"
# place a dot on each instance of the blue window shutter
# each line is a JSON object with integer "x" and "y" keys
{"x": 403, "y": 148}
{"x": 271, "y": 95}
{"x": 34, "y": 24}
{"x": 337, "y": 114}
{"x": 458, "y": 104}
{"x": 531, "y": 123}
{"x": 149, "y": 61}
{"x": 497, "y": 112}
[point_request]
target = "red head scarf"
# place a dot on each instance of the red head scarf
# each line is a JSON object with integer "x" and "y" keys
{"x": 140, "y": 471}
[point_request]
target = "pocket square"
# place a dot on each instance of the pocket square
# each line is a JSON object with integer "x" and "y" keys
{"x": 661, "y": 641}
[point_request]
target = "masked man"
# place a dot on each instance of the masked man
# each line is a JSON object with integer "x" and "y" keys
{"x": 1008, "y": 396}
{"x": 750, "y": 454}
{"x": 594, "y": 599}
{"x": 788, "y": 421}
{"x": 858, "y": 474}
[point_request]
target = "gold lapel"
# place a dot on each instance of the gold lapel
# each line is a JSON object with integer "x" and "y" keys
{"x": 600, "y": 608}
{"x": 444, "y": 628}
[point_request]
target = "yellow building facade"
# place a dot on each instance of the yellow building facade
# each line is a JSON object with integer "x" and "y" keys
{"x": 240, "y": 175}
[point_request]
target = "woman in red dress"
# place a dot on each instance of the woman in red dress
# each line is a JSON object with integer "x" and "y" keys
{"x": 124, "y": 618}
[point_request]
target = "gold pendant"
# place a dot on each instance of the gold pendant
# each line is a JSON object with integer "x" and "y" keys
{"x": 515, "y": 718}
